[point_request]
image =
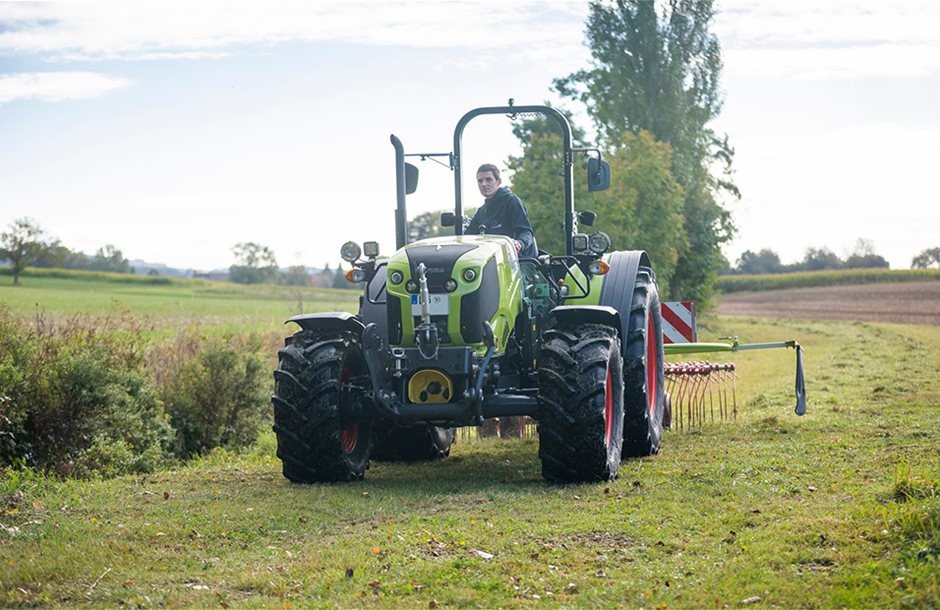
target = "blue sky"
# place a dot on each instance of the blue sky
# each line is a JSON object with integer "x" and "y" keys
{"x": 174, "y": 130}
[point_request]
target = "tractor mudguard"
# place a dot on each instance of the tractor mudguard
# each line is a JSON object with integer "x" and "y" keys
{"x": 584, "y": 314}
{"x": 330, "y": 320}
{"x": 617, "y": 289}
{"x": 374, "y": 302}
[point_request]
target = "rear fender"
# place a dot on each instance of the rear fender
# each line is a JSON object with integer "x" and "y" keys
{"x": 330, "y": 320}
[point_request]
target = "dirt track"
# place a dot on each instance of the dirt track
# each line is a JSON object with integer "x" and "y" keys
{"x": 905, "y": 303}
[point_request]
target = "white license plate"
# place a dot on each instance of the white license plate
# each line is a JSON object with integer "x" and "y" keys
{"x": 437, "y": 305}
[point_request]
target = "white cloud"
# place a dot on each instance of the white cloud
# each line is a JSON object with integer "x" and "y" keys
{"x": 58, "y": 86}
{"x": 141, "y": 30}
{"x": 824, "y": 39}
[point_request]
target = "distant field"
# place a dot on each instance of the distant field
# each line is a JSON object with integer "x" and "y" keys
{"x": 905, "y": 303}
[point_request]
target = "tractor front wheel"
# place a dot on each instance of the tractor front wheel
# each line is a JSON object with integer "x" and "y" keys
{"x": 322, "y": 432}
{"x": 581, "y": 403}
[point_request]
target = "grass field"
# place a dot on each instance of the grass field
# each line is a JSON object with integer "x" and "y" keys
{"x": 839, "y": 508}
{"x": 177, "y": 303}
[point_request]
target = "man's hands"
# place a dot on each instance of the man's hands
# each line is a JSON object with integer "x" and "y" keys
{"x": 518, "y": 245}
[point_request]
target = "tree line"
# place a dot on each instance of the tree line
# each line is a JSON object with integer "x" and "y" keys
{"x": 25, "y": 243}
{"x": 766, "y": 261}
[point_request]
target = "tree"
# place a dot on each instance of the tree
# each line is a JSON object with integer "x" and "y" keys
{"x": 765, "y": 261}
{"x": 110, "y": 258}
{"x": 927, "y": 259}
{"x": 660, "y": 72}
{"x": 864, "y": 257}
{"x": 427, "y": 225}
{"x": 817, "y": 259}
{"x": 255, "y": 264}
{"x": 22, "y": 244}
{"x": 296, "y": 275}
{"x": 642, "y": 208}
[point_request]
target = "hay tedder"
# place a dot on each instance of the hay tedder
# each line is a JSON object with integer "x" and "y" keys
{"x": 453, "y": 331}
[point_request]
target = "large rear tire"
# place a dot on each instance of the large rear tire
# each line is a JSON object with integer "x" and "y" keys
{"x": 414, "y": 444}
{"x": 581, "y": 404}
{"x": 322, "y": 432}
{"x": 644, "y": 382}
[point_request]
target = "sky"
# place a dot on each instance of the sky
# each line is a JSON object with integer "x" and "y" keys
{"x": 175, "y": 130}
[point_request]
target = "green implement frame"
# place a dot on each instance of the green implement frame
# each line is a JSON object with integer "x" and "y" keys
{"x": 733, "y": 345}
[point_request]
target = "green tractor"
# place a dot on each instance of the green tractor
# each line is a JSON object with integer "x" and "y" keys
{"x": 454, "y": 330}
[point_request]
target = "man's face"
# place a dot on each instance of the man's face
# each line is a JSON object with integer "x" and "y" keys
{"x": 488, "y": 183}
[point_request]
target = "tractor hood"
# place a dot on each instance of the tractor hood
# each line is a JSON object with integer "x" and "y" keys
{"x": 472, "y": 279}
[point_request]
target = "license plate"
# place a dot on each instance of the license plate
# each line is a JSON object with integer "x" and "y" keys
{"x": 437, "y": 305}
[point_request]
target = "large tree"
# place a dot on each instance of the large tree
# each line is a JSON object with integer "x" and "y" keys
{"x": 255, "y": 264}
{"x": 642, "y": 208}
{"x": 21, "y": 244}
{"x": 927, "y": 259}
{"x": 659, "y": 71}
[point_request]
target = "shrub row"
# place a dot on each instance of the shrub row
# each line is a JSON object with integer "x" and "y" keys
{"x": 807, "y": 279}
{"x": 90, "y": 396}
{"x": 81, "y": 274}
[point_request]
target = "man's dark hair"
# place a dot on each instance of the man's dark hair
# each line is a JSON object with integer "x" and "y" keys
{"x": 489, "y": 167}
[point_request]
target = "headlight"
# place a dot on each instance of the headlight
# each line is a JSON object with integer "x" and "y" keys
{"x": 411, "y": 286}
{"x": 350, "y": 252}
{"x": 396, "y": 277}
{"x": 600, "y": 243}
{"x": 469, "y": 275}
{"x": 450, "y": 285}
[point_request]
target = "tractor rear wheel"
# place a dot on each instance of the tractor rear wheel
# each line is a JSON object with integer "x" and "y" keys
{"x": 581, "y": 403}
{"x": 414, "y": 444}
{"x": 322, "y": 432}
{"x": 644, "y": 382}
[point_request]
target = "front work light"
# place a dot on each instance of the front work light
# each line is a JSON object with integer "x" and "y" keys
{"x": 350, "y": 252}
{"x": 371, "y": 249}
{"x": 600, "y": 243}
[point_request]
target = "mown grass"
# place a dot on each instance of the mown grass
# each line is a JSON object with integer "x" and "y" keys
{"x": 807, "y": 279}
{"x": 839, "y": 508}
{"x": 665, "y": 516}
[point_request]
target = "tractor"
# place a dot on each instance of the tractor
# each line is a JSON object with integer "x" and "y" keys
{"x": 455, "y": 330}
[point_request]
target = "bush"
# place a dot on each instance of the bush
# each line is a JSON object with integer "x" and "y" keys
{"x": 75, "y": 397}
{"x": 214, "y": 390}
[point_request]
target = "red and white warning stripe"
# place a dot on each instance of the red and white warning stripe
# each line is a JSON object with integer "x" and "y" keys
{"x": 678, "y": 322}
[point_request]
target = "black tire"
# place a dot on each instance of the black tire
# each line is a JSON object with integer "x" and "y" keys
{"x": 644, "y": 403}
{"x": 322, "y": 432}
{"x": 414, "y": 444}
{"x": 581, "y": 404}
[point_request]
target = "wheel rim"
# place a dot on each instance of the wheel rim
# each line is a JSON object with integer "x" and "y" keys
{"x": 608, "y": 409}
{"x": 348, "y": 434}
{"x": 652, "y": 365}
{"x": 350, "y": 438}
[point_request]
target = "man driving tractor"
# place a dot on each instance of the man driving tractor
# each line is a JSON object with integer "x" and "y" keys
{"x": 502, "y": 213}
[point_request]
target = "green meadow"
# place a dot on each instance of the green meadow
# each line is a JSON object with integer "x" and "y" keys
{"x": 838, "y": 508}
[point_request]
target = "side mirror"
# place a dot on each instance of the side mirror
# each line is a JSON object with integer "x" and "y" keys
{"x": 411, "y": 178}
{"x": 598, "y": 175}
{"x": 587, "y": 218}
{"x": 448, "y": 219}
